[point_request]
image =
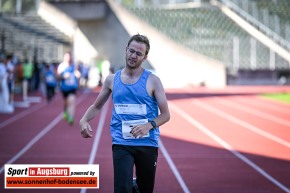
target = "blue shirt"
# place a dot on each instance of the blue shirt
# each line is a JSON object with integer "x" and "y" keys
{"x": 70, "y": 83}
{"x": 133, "y": 105}
{"x": 50, "y": 78}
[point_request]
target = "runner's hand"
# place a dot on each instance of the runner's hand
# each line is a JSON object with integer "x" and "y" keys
{"x": 85, "y": 129}
{"x": 139, "y": 131}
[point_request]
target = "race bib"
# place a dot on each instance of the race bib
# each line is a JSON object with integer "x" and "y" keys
{"x": 71, "y": 81}
{"x": 131, "y": 109}
{"x": 50, "y": 78}
{"x": 128, "y": 125}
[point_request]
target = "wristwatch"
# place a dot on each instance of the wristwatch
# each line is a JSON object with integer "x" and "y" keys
{"x": 153, "y": 123}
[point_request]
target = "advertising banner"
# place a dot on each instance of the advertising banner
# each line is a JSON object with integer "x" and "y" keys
{"x": 19, "y": 176}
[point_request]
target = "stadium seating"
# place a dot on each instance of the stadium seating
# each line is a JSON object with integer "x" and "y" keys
{"x": 272, "y": 8}
{"x": 27, "y": 35}
{"x": 208, "y": 31}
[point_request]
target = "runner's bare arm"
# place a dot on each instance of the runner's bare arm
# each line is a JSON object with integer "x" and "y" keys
{"x": 159, "y": 93}
{"x": 93, "y": 110}
{"x": 155, "y": 88}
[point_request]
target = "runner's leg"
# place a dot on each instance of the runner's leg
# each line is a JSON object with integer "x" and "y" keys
{"x": 146, "y": 163}
{"x": 123, "y": 162}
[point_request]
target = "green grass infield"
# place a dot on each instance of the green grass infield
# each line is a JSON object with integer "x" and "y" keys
{"x": 284, "y": 97}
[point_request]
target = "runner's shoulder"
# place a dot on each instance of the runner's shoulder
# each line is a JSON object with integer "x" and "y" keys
{"x": 109, "y": 81}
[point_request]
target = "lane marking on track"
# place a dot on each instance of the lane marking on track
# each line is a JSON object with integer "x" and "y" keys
{"x": 253, "y": 112}
{"x": 241, "y": 123}
{"x": 39, "y": 136}
{"x": 264, "y": 104}
{"x": 21, "y": 115}
{"x": 97, "y": 137}
{"x": 99, "y": 133}
{"x": 276, "y": 102}
{"x": 162, "y": 148}
{"x": 173, "y": 168}
{"x": 224, "y": 144}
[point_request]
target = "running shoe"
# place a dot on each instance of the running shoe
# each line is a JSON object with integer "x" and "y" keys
{"x": 65, "y": 115}
{"x": 70, "y": 120}
{"x": 135, "y": 186}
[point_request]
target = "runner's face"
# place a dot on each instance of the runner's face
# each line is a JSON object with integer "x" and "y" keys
{"x": 67, "y": 58}
{"x": 135, "y": 54}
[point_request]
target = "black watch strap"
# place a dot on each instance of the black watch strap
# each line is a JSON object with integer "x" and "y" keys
{"x": 153, "y": 123}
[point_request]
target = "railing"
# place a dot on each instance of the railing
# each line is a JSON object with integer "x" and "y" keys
{"x": 263, "y": 28}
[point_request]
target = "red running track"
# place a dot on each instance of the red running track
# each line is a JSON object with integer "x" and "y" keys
{"x": 226, "y": 141}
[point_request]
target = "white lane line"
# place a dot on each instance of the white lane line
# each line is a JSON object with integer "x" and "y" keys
{"x": 241, "y": 123}
{"x": 162, "y": 148}
{"x": 274, "y": 102}
{"x": 20, "y": 115}
{"x": 254, "y": 112}
{"x": 38, "y": 137}
{"x": 98, "y": 133}
{"x": 97, "y": 137}
{"x": 23, "y": 113}
{"x": 264, "y": 104}
{"x": 220, "y": 141}
{"x": 33, "y": 141}
{"x": 173, "y": 168}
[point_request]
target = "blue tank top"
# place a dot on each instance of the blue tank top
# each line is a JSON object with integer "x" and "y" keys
{"x": 50, "y": 78}
{"x": 132, "y": 105}
{"x": 70, "y": 83}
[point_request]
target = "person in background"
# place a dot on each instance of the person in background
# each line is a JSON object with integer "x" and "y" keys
{"x": 19, "y": 72}
{"x": 100, "y": 62}
{"x": 5, "y": 106}
{"x": 138, "y": 95}
{"x": 27, "y": 78}
{"x": 69, "y": 81}
{"x": 36, "y": 76}
{"x": 50, "y": 82}
{"x": 84, "y": 69}
{"x": 10, "y": 79}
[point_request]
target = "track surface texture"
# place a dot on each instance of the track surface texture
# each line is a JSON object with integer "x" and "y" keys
{"x": 218, "y": 141}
